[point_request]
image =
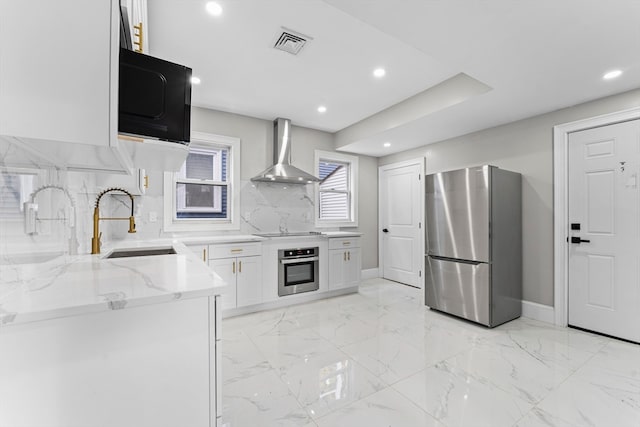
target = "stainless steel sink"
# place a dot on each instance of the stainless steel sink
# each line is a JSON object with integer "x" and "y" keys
{"x": 134, "y": 252}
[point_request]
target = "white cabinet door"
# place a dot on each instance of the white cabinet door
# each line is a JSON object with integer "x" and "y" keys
{"x": 56, "y": 79}
{"x": 224, "y": 271}
{"x": 201, "y": 251}
{"x": 337, "y": 259}
{"x": 59, "y": 84}
{"x": 352, "y": 268}
{"x": 144, "y": 366}
{"x": 249, "y": 280}
{"x": 344, "y": 268}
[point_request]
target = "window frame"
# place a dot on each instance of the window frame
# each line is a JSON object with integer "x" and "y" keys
{"x": 232, "y": 221}
{"x": 40, "y": 176}
{"x": 352, "y": 193}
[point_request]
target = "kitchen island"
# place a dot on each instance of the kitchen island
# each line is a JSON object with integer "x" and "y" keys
{"x": 91, "y": 341}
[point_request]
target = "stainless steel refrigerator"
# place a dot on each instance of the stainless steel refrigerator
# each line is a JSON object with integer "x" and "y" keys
{"x": 473, "y": 264}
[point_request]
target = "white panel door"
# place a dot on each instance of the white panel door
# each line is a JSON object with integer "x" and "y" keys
{"x": 604, "y": 254}
{"x": 400, "y": 217}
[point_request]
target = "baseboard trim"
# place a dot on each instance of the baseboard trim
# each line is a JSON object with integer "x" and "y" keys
{"x": 287, "y": 301}
{"x": 541, "y": 312}
{"x": 370, "y": 273}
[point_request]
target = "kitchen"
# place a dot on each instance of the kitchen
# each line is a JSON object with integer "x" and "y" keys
{"x": 261, "y": 210}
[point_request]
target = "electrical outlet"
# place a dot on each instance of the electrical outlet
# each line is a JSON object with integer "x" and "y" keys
{"x": 153, "y": 216}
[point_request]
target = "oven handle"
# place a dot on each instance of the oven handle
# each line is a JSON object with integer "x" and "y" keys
{"x": 299, "y": 260}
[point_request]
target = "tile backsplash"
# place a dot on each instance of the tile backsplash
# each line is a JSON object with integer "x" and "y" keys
{"x": 63, "y": 220}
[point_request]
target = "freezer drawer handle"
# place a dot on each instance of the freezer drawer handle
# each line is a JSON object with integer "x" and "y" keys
{"x": 461, "y": 261}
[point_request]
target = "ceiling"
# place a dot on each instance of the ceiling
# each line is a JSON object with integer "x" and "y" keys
{"x": 528, "y": 56}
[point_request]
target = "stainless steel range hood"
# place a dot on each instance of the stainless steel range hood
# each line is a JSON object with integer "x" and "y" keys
{"x": 282, "y": 170}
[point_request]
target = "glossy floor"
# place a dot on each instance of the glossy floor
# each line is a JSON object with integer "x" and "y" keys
{"x": 380, "y": 358}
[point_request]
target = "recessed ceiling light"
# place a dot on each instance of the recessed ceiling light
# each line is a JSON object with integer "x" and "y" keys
{"x": 379, "y": 72}
{"x": 214, "y": 8}
{"x": 195, "y": 80}
{"x": 612, "y": 74}
{"x": 322, "y": 109}
{"x": 387, "y": 144}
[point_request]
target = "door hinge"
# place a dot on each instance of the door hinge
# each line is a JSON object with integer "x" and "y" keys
{"x": 418, "y": 177}
{"x": 419, "y": 273}
{"x": 419, "y": 225}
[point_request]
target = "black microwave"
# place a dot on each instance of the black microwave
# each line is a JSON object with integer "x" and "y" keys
{"x": 154, "y": 97}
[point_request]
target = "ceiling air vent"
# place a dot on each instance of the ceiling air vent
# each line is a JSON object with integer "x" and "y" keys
{"x": 291, "y": 41}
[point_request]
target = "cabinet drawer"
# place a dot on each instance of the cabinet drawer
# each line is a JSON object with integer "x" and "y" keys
{"x": 344, "y": 242}
{"x": 228, "y": 250}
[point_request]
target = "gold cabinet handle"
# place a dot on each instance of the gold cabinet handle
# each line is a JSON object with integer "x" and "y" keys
{"x": 204, "y": 254}
{"x": 344, "y": 256}
{"x": 349, "y": 256}
{"x": 346, "y": 243}
{"x": 233, "y": 268}
{"x": 146, "y": 181}
{"x": 236, "y": 250}
{"x": 239, "y": 266}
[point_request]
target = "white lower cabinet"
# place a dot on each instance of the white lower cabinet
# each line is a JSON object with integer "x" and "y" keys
{"x": 242, "y": 275}
{"x": 147, "y": 366}
{"x": 344, "y": 263}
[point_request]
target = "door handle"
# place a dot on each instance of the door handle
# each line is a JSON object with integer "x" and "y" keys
{"x": 578, "y": 240}
{"x": 385, "y": 230}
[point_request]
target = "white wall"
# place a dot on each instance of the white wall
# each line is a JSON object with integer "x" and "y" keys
{"x": 524, "y": 146}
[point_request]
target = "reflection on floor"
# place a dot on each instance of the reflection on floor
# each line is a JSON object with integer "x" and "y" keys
{"x": 381, "y": 358}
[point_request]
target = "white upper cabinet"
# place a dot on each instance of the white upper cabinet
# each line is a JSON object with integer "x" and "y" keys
{"x": 59, "y": 82}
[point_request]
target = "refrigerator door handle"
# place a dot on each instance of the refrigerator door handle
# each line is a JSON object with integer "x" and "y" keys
{"x": 461, "y": 261}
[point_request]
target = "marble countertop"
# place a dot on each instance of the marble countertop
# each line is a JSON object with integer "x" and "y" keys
{"x": 331, "y": 234}
{"x": 46, "y": 287}
{"x": 204, "y": 240}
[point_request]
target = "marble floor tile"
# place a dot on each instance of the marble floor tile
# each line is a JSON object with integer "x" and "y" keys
{"x": 343, "y": 330}
{"x": 241, "y": 358}
{"x": 381, "y": 358}
{"x": 618, "y": 358}
{"x": 292, "y": 347}
{"x": 539, "y": 418}
{"x": 512, "y": 369}
{"x": 386, "y": 408}
{"x": 596, "y": 397}
{"x": 457, "y": 398}
{"x": 531, "y": 329}
{"x": 329, "y": 381}
{"x": 261, "y": 400}
{"x": 387, "y": 357}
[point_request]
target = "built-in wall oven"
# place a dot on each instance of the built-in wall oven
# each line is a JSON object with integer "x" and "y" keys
{"x": 298, "y": 271}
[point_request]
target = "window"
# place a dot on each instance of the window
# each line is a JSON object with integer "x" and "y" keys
{"x": 15, "y": 189}
{"x": 336, "y": 201}
{"x": 204, "y": 193}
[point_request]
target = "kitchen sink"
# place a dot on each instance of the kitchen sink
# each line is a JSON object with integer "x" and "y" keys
{"x": 133, "y": 252}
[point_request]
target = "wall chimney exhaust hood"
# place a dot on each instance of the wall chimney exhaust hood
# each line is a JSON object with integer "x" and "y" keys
{"x": 282, "y": 170}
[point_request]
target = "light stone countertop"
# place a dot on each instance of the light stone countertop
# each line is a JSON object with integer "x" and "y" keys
{"x": 204, "y": 240}
{"x": 34, "y": 288}
{"x": 331, "y": 234}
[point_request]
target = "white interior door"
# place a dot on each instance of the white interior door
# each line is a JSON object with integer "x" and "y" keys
{"x": 400, "y": 222}
{"x": 604, "y": 254}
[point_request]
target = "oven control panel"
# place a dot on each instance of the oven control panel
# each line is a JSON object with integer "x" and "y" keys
{"x": 292, "y": 253}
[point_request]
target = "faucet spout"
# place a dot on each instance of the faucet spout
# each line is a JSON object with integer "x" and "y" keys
{"x": 95, "y": 240}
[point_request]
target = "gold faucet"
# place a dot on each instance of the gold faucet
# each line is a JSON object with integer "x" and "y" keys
{"x": 95, "y": 240}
